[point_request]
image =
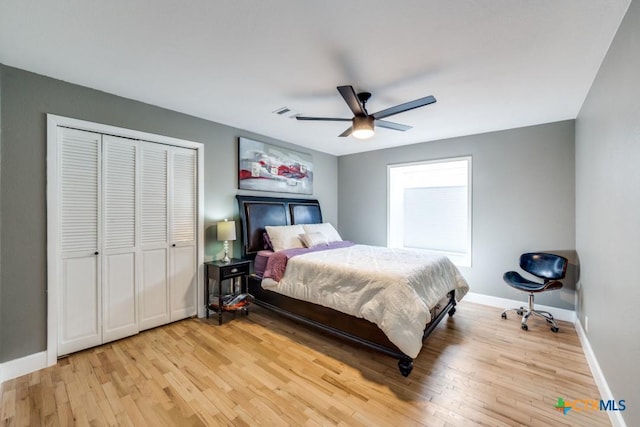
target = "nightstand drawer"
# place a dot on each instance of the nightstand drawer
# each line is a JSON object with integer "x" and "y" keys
{"x": 234, "y": 271}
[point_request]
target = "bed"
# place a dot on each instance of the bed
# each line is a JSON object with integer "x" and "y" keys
{"x": 257, "y": 213}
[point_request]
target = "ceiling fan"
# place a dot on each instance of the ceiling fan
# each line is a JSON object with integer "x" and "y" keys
{"x": 362, "y": 126}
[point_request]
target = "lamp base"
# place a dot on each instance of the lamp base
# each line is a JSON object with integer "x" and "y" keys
{"x": 226, "y": 259}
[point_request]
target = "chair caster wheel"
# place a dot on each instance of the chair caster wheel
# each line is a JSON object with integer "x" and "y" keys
{"x": 520, "y": 312}
{"x": 503, "y": 315}
{"x": 554, "y": 329}
{"x": 524, "y": 327}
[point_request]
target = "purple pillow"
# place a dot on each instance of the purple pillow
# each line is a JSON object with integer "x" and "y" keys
{"x": 266, "y": 241}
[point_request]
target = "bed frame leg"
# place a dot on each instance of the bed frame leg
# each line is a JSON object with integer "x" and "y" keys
{"x": 452, "y": 299}
{"x": 405, "y": 364}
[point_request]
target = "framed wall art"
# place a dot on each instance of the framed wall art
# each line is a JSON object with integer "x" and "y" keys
{"x": 266, "y": 167}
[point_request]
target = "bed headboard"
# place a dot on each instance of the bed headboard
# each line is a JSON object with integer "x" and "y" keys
{"x": 257, "y": 212}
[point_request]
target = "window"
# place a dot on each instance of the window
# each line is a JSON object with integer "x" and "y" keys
{"x": 430, "y": 207}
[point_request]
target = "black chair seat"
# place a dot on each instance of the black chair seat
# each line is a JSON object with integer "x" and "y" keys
{"x": 549, "y": 267}
{"x": 515, "y": 280}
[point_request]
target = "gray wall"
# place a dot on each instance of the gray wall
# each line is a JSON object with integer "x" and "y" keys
{"x": 608, "y": 214}
{"x": 523, "y": 199}
{"x": 26, "y": 98}
{"x": 1, "y": 318}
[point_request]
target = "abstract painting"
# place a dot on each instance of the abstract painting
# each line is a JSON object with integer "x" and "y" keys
{"x": 266, "y": 167}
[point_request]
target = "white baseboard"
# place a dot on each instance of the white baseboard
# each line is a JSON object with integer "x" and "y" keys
{"x": 558, "y": 313}
{"x": 605, "y": 392}
{"x": 22, "y": 366}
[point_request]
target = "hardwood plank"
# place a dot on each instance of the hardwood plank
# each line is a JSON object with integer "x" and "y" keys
{"x": 266, "y": 370}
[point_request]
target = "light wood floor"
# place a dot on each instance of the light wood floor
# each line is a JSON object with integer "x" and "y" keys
{"x": 265, "y": 370}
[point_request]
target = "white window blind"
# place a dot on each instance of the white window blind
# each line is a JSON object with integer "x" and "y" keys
{"x": 430, "y": 207}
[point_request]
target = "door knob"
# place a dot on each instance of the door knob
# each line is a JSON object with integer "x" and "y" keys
{"x": 96, "y": 253}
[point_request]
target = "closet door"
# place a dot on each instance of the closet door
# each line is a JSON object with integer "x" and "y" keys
{"x": 119, "y": 314}
{"x": 79, "y": 304}
{"x": 154, "y": 235}
{"x": 183, "y": 190}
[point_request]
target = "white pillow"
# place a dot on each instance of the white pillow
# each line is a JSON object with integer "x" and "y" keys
{"x": 285, "y": 236}
{"x": 314, "y": 239}
{"x": 327, "y": 229}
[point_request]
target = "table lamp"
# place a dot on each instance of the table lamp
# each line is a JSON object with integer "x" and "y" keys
{"x": 226, "y": 232}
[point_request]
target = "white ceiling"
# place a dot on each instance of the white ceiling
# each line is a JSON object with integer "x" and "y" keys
{"x": 493, "y": 64}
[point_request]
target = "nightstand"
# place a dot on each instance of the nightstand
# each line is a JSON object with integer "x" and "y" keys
{"x": 235, "y": 274}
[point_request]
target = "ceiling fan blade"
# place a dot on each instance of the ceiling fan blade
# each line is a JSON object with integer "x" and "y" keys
{"x": 404, "y": 107}
{"x": 327, "y": 119}
{"x": 392, "y": 125}
{"x": 346, "y": 132}
{"x": 349, "y": 95}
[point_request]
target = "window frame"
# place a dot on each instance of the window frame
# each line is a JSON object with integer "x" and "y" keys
{"x": 464, "y": 260}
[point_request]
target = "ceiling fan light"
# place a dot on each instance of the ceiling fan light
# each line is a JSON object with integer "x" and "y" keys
{"x": 362, "y": 127}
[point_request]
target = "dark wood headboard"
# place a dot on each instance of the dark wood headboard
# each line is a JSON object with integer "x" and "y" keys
{"x": 257, "y": 212}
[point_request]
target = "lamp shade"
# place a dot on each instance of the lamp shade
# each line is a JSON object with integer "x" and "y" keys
{"x": 362, "y": 127}
{"x": 227, "y": 230}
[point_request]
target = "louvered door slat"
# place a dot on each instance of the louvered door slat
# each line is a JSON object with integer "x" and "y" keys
{"x": 154, "y": 196}
{"x": 184, "y": 195}
{"x": 79, "y": 174}
{"x": 119, "y": 192}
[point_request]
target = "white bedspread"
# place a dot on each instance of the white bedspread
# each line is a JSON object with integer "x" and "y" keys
{"x": 393, "y": 288}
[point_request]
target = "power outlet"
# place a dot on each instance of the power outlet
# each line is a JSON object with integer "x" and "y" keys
{"x": 586, "y": 323}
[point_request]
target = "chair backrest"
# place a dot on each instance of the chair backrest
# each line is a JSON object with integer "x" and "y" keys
{"x": 543, "y": 265}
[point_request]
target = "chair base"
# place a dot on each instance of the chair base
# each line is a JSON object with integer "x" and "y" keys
{"x": 527, "y": 312}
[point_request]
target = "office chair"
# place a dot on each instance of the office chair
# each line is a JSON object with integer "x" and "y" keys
{"x": 549, "y": 267}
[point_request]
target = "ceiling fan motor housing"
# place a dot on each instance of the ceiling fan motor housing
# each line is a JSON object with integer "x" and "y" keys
{"x": 364, "y": 97}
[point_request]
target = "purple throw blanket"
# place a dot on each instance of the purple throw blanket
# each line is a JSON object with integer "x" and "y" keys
{"x": 277, "y": 263}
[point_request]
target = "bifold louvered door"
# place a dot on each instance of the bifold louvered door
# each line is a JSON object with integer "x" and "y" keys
{"x": 154, "y": 235}
{"x": 168, "y": 234}
{"x": 183, "y": 233}
{"x": 128, "y": 237}
{"x": 80, "y": 305}
{"x": 119, "y": 220}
